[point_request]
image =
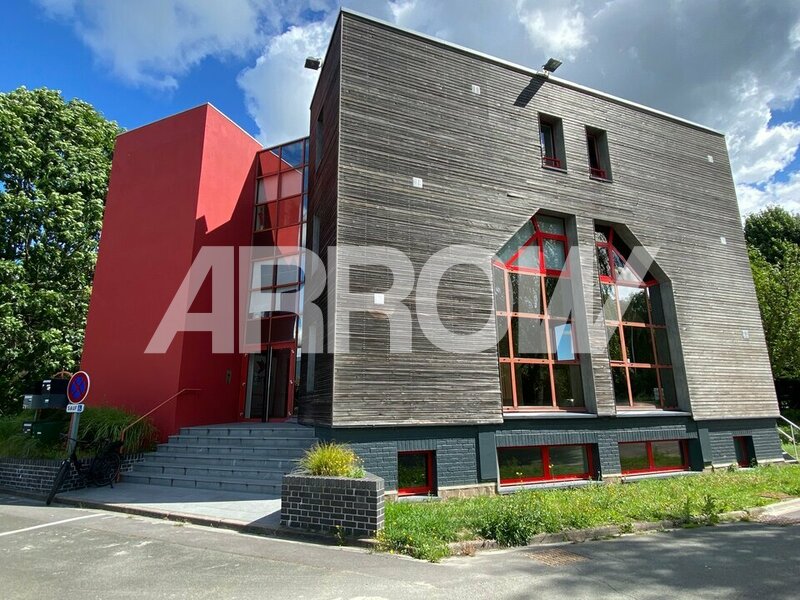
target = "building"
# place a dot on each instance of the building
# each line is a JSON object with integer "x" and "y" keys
{"x": 628, "y": 338}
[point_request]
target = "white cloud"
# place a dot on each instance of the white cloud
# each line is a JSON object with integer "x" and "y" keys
{"x": 725, "y": 63}
{"x": 278, "y": 89}
{"x": 154, "y": 42}
{"x": 559, "y": 31}
{"x": 783, "y": 193}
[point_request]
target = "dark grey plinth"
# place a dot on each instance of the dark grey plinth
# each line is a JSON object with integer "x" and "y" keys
{"x": 332, "y": 504}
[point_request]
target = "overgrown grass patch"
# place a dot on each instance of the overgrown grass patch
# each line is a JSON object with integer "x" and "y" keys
{"x": 424, "y": 529}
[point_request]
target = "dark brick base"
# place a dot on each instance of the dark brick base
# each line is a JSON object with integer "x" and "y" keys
{"x": 36, "y": 476}
{"x": 331, "y": 504}
{"x": 467, "y": 456}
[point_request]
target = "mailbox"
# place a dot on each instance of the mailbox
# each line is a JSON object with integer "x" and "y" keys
{"x": 37, "y": 401}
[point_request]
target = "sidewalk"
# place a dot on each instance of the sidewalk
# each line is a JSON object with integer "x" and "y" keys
{"x": 782, "y": 513}
{"x": 251, "y": 513}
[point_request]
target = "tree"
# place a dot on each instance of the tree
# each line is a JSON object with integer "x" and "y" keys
{"x": 778, "y": 291}
{"x": 771, "y": 230}
{"x": 55, "y": 158}
{"x": 773, "y": 238}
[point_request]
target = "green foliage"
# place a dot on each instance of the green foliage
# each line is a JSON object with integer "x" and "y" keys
{"x": 332, "y": 460}
{"x": 107, "y": 423}
{"x": 55, "y": 158}
{"x": 772, "y": 232}
{"x": 778, "y": 291}
{"x": 97, "y": 423}
{"x": 773, "y": 237}
{"x": 424, "y": 529}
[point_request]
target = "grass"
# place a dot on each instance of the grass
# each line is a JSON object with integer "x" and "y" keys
{"x": 788, "y": 447}
{"x": 97, "y": 423}
{"x": 424, "y": 529}
{"x": 332, "y": 460}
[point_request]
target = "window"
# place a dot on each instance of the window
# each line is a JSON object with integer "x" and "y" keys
{"x": 551, "y": 140}
{"x": 539, "y": 365}
{"x": 638, "y": 346}
{"x": 745, "y": 457}
{"x": 523, "y": 464}
{"x": 415, "y": 473}
{"x": 597, "y": 147}
{"x": 653, "y": 457}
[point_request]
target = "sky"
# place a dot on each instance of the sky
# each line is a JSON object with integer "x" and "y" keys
{"x": 733, "y": 65}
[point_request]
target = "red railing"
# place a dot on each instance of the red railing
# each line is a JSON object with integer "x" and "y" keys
{"x": 597, "y": 173}
{"x": 551, "y": 161}
{"x": 151, "y": 411}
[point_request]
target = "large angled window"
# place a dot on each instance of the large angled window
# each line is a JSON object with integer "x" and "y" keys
{"x": 638, "y": 350}
{"x": 539, "y": 365}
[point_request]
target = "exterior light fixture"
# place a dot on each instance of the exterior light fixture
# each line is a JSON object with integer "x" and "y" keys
{"x": 313, "y": 63}
{"x": 551, "y": 65}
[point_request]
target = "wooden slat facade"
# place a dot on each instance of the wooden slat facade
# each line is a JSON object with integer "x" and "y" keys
{"x": 406, "y": 108}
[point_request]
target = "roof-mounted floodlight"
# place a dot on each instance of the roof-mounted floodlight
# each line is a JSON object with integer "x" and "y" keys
{"x": 551, "y": 65}
{"x": 313, "y": 63}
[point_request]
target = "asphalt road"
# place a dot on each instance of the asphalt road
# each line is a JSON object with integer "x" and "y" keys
{"x": 65, "y": 553}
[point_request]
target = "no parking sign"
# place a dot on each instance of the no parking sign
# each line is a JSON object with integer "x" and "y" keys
{"x": 78, "y": 387}
{"x": 77, "y": 390}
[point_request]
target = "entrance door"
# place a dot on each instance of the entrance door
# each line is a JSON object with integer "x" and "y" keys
{"x": 270, "y": 389}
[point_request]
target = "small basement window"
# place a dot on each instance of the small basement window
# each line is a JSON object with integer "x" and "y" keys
{"x": 745, "y": 456}
{"x": 415, "y": 473}
{"x": 597, "y": 147}
{"x": 551, "y": 140}
{"x": 525, "y": 464}
{"x": 653, "y": 457}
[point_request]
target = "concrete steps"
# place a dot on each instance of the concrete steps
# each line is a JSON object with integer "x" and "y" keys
{"x": 236, "y": 457}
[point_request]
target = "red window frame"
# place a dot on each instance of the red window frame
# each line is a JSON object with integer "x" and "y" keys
{"x": 651, "y": 462}
{"x": 546, "y": 467}
{"x": 428, "y": 488}
{"x": 595, "y": 170}
{"x": 549, "y": 161}
{"x": 744, "y": 447}
{"x": 646, "y": 282}
{"x": 537, "y": 240}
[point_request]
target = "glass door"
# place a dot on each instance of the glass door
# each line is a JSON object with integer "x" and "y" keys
{"x": 270, "y": 389}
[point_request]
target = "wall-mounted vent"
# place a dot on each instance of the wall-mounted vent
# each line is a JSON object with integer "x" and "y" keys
{"x": 416, "y": 182}
{"x": 476, "y": 89}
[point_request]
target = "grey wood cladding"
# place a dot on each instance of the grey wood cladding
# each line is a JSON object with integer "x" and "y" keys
{"x": 406, "y": 108}
{"x": 315, "y": 405}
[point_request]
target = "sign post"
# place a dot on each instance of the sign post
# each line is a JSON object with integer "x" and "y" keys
{"x": 77, "y": 391}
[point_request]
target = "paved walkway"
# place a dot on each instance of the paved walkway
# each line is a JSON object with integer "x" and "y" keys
{"x": 233, "y": 510}
{"x": 783, "y": 513}
{"x": 60, "y": 552}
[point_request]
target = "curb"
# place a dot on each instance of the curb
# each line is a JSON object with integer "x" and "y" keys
{"x": 280, "y": 531}
{"x": 470, "y": 547}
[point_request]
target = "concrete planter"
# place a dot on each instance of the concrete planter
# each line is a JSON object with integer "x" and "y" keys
{"x": 35, "y": 476}
{"x": 333, "y": 504}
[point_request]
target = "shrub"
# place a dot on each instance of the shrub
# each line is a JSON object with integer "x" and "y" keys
{"x": 332, "y": 460}
{"x": 107, "y": 422}
{"x": 97, "y": 423}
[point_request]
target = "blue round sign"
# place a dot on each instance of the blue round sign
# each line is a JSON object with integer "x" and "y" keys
{"x": 78, "y": 387}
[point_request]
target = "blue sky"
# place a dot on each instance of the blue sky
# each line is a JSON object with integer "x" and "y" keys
{"x": 731, "y": 64}
{"x": 42, "y": 51}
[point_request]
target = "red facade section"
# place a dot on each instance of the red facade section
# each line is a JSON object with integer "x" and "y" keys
{"x": 176, "y": 186}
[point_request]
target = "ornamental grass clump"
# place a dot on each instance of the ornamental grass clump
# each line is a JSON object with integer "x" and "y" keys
{"x": 332, "y": 460}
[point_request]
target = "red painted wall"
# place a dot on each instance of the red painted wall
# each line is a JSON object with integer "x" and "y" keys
{"x": 176, "y": 185}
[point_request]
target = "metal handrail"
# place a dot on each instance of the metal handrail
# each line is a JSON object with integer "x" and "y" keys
{"x": 151, "y": 411}
{"x": 792, "y": 437}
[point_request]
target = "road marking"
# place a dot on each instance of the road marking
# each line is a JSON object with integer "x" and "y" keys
{"x": 43, "y": 525}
